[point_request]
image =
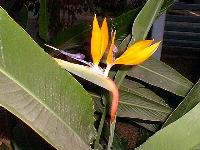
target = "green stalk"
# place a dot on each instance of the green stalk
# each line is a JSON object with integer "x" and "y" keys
{"x": 101, "y": 127}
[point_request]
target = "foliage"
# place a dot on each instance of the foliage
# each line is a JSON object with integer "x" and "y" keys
{"x": 54, "y": 104}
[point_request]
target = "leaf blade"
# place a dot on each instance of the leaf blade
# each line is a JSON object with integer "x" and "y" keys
{"x": 192, "y": 99}
{"x": 159, "y": 74}
{"x": 134, "y": 106}
{"x": 181, "y": 134}
{"x": 145, "y": 19}
{"x": 39, "y": 84}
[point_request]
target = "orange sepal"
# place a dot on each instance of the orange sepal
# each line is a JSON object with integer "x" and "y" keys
{"x": 96, "y": 41}
{"x": 104, "y": 36}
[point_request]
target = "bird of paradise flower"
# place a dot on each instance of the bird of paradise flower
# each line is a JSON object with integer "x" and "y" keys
{"x": 134, "y": 55}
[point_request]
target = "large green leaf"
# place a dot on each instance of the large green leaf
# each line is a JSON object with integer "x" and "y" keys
{"x": 159, "y": 74}
{"x": 39, "y": 92}
{"x": 192, "y": 99}
{"x": 182, "y": 134}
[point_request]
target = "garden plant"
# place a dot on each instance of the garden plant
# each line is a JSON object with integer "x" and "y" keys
{"x": 75, "y": 104}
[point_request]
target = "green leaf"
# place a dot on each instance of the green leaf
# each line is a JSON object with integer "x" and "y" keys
{"x": 40, "y": 93}
{"x": 191, "y": 100}
{"x": 182, "y": 134}
{"x": 145, "y": 19}
{"x": 134, "y": 106}
{"x": 123, "y": 23}
{"x": 159, "y": 74}
{"x": 166, "y": 5}
{"x": 147, "y": 125}
{"x": 123, "y": 46}
{"x": 43, "y": 20}
{"x": 140, "y": 90}
{"x": 72, "y": 36}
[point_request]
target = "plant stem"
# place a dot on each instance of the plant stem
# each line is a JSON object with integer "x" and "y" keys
{"x": 100, "y": 127}
{"x": 112, "y": 132}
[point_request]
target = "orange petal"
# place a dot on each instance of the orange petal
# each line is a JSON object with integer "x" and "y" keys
{"x": 138, "y": 56}
{"x": 109, "y": 59}
{"x": 96, "y": 41}
{"x": 104, "y": 34}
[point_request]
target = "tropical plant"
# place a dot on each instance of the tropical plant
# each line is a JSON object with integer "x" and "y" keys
{"x": 54, "y": 104}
